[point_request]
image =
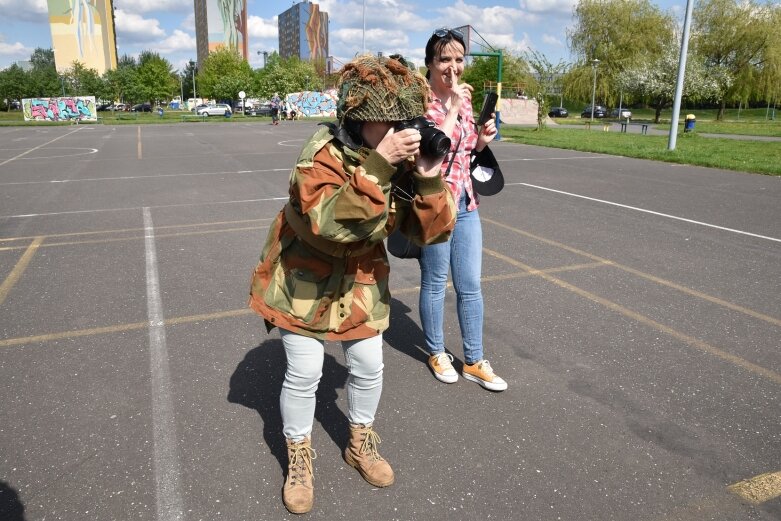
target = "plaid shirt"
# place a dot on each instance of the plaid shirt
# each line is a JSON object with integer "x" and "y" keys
{"x": 458, "y": 179}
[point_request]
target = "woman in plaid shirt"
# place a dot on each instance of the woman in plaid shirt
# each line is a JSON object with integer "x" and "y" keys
{"x": 451, "y": 110}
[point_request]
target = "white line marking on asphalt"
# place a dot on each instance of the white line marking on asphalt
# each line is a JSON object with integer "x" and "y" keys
{"x": 700, "y": 223}
{"x": 169, "y": 500}
{"x": 135, "y": 208}
{"x": 595, "y": 156}
{"x": 126, "y": 178}
{"x": 39, "y": 146}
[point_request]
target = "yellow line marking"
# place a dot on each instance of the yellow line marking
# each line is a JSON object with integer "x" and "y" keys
{"x": 139, "y": 147}
{"x": 693, "y": 342}
{"x": 139, "y": 229}
{"x": 759, "y": 488}
{"x": 208, "y": 316}
{"x": 119, "y": 239}
{"x": 647, "y": 276}
{"x": 21, "y": 265}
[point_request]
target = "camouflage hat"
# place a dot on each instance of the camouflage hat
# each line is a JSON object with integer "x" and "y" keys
{"x": 380, "y": 89}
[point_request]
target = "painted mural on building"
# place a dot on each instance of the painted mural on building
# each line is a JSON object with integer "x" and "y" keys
{"x": 83, "y": 31}
{"x": 69, "y": 108}
{"x": 317, "y": 33}
{"x": 227, "y": 21}
{"x": 313, "y": 104}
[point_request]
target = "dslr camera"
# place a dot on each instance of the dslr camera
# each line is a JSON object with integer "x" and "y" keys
{"x": 433, "y": 142}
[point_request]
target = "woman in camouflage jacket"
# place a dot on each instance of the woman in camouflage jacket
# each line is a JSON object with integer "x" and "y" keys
{"x": 323, "y": 272}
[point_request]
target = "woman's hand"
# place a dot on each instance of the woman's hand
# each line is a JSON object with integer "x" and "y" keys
{"x": 487, "y": 133}
{"x": 460, "y": 94}
{"x": 395, "y": 147}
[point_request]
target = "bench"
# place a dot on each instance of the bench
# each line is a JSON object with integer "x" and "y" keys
{"x": 643, "y": 126}
{"x": 605, "y": 125}
{"x": 194, "y": 117}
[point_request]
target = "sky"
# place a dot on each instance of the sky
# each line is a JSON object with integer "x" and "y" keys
{"x": 388, "y": 26}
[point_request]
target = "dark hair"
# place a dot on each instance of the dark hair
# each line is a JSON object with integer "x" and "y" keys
{"x": 440, "y": 39}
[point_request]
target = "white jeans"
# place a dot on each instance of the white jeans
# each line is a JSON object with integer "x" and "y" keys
{"x": 305, "y": 357}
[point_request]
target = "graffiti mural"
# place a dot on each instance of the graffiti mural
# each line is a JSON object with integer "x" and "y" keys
{"x": 70, "y": 108}
{"x": 313, "y": 104}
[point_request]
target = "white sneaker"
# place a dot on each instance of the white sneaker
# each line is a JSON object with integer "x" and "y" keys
{"x": 442, "y": 366}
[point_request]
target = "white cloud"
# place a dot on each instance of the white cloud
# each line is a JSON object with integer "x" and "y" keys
{"x": 258, "y": 27}
{"x": 188, "y": 23}
{"x": 549, "y": 6}
{"x": 135, "y": 28}
{"x": 179, "y": 41}
{"x": 14, "y": 50}
{"x": 147, "y": 6}
{"x": 25, "y": 10}
{"x": 549, "y": 39}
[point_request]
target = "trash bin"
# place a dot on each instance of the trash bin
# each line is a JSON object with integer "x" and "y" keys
{"x": 688, "y": 125}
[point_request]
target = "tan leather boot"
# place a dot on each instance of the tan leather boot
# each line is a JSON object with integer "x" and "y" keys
{"x": 361, "y": 453}
{"x": 298, "y": 494}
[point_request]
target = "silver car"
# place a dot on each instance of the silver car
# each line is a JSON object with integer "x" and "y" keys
{"x": 621, "y": 114}
{"x": 220, "y": 109}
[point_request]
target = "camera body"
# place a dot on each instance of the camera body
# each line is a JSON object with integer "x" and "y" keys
{"x": 433, "y": 142}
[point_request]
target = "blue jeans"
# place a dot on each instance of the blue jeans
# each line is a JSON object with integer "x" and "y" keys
{"x": 305, "y": 358}
{"x": 463, "y": 254}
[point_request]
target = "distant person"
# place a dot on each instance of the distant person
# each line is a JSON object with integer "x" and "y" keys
{"x": 451, "y": 111}
{"x": 323, "y": 271}
{"x": 276, "y": 102}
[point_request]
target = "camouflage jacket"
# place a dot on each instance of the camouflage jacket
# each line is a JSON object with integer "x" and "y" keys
{"x": 323, "y": 271}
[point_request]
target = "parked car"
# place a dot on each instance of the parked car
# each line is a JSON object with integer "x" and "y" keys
{"x": 117, "y": 106}
{"x": 262, "y": 109}
{"x": 621, "y": 114}
{"x": 142, "y": 107}
{"x": 219, "y": 109}
{"x": 558, "y": 112}
{"x": 599, "y": 112}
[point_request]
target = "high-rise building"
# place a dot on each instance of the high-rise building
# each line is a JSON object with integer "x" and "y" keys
{"x": 220, "y": 23}
{"x": 83, "y": 32}
{"x": 303, "y": 32}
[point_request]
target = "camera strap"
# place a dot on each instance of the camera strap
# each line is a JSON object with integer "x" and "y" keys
{"x": 450, "y": 165}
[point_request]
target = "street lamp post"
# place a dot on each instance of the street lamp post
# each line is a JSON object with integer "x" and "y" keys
{"x": 265, "y": 55}
{"x": 594, "y": 64}
{"x": 195, "y": 64}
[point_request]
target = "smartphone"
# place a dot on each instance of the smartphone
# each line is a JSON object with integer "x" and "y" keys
{"x": 489, "y": 106}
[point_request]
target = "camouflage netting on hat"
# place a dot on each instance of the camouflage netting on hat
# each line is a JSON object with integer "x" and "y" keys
{"x": 380, "y": 89}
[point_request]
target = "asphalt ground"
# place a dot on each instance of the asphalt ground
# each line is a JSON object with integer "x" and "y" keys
{"x": 633, "y": 307}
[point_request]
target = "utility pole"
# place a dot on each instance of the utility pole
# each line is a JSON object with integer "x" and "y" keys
{"x": 681, "y": 72}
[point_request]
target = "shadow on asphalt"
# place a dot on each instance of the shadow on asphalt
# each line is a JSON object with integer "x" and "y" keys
{"x": 257, "y": 382}
{"x": 11, "y": 507}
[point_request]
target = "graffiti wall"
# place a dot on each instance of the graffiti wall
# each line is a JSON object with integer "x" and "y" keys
{"x": 83, "y": 30}
{"x": 71, "y": 108}
{"x": 227, "y": 22}
{"x": 313, "y": 104}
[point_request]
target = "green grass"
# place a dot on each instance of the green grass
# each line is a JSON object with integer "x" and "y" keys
{"x": 746, "y": 156}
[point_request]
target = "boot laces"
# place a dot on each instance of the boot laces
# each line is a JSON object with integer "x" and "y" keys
{"x": 301, "y": 463}
{"x": 370, "y": 443}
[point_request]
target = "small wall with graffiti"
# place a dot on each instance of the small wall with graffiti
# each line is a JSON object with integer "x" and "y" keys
{"x": 313, "y": 104}
{"x": 68, "y": 108}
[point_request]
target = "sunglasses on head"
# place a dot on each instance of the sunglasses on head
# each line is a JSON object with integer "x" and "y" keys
{"x": 443, "y": 32}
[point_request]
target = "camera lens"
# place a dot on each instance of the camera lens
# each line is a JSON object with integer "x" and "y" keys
{"x": 434, "y": 142}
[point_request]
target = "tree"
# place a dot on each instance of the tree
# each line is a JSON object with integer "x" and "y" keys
{"x": 44, "y": 80}
{"x": 122, "y": 82}
{"x": 286, "y": 76}
{"x": 14, "y": 84}
{"x": 155, "y": 78}
{"x": 82, "y": 81}
{"x": 655, "y": 79}
{"x": 223, "y": 75}
{"x": 735, "y": 35}
{"x": 546, "y": 79}
{"x": 618, "y": 33}
{"x": 484, "y": 70}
